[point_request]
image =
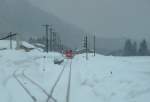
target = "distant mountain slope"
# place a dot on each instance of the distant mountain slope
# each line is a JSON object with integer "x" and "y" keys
{"x": 20, "y": 16}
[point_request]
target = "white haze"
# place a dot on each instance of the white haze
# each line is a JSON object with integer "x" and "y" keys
{"x": 107, "y": 18}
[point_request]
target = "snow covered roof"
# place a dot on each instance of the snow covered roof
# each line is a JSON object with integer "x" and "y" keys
{"x": 25, "y": 44}
{"x": 40, "y": 45}
{"x": 5, "y": 44}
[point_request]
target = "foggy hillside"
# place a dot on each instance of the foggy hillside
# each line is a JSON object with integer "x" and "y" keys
{"x": 111, "y": 20}
{"x": 22, "y": 17}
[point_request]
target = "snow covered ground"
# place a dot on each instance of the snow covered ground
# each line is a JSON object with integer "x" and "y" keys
{"x": 100, "y": 79}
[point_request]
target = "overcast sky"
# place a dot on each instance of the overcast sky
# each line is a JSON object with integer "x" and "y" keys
{"x": 109, "y": 18}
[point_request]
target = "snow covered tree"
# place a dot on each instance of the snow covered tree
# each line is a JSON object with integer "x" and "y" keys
{"x": 143, "y": 50}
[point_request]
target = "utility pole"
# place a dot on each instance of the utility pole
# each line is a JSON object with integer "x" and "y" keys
{"x": 85, "y": 45}
{"x": 94, "y": 42}
{"x": 59, "y": 44}
{"x": 51, "y": 38}
{"x": 18, "y": 41}
{"x": 46, "y": 32}
{"x": 54, "y": 41}
{"x": 10, "y": 34}
{"x": 86, "y": 40}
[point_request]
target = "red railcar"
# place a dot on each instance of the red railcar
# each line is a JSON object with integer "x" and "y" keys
{"x": 69, "y": 53}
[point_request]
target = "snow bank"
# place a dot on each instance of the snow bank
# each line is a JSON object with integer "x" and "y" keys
{"x": 27, "y": 45}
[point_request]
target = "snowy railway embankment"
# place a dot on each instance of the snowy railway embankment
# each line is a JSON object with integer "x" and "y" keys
{"x": 31, "y": 77}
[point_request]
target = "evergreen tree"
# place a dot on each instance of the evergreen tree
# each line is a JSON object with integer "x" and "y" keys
{"x": 143, "y": 50}
{"x": 128, "y": 48}
{"x": 134, "y": 49}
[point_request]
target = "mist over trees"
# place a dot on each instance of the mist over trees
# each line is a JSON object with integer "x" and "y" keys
{"x": 143, "y": 50}
{"x": 128, "y": 48}
{"x": 131, "y": 48}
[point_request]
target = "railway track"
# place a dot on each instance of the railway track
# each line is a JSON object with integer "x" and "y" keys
{"x": 24, "y": 87}
{"x": 56, "y": 82}
{"x": 69, "y": 83}
{"x": 40, "y": 87}
{"x": 49, "y": 96}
